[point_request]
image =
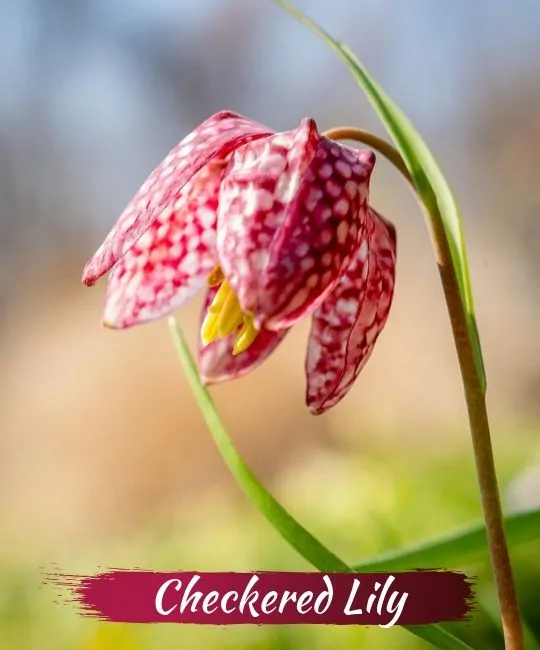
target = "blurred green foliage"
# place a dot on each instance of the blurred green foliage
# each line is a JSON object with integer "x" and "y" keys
{"x": 358, "y": 503}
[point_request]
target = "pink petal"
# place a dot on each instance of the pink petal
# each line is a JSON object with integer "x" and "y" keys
{"x": 170, "y": 262}
{"x": 216, "y": 361}
{"x": 214, "y": 138}
{"x": 346, "y": 326}
{"x": 292, "y": 209}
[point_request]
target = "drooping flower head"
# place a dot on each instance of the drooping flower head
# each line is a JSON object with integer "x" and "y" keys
{"x": 278, "y": 227}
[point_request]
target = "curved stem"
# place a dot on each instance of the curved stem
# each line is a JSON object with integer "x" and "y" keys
{"x": 474, "y": 396}
{"x": 373, "y": 141}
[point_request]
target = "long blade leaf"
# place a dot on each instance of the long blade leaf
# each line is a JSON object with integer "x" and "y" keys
{"x": 463, "y": 547}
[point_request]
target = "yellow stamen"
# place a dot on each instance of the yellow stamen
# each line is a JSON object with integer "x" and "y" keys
{"x": 247, "y": 335}
{"x": 209, "y": 328}
{"x": 224, "y": 316}
{"x": 215, "y": 277}
{"x": 220, "y": 298}
{"x": 231, "y": 315}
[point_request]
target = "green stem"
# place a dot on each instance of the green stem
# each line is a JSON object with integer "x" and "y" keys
{"x": 476, "y": 403}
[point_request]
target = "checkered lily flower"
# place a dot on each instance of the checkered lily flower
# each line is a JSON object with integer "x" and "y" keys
{"x": 278, "y": 227}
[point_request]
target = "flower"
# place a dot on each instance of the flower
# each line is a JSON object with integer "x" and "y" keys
{"x": 278, "y": 226}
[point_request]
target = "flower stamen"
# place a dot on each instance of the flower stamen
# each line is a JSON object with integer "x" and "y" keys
{"x": 231, "y": 315}
{"x": 215, "y": 277}
{"x": 224, "y": 316}
{"x": 209, "y": 329}
{"x": 246, "y": 336}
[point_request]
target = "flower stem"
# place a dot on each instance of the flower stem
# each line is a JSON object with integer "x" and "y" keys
{"x": 474, "y": 396}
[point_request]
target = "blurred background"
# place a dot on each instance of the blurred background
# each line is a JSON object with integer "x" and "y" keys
{"x": 105, "y": 460}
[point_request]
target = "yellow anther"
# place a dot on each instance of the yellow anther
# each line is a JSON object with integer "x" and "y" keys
{"x": 231, "y": 315}
{"x": 220, "y": 298}
{"x": 245, "y": 338}
{"x": 215, "y": 277}
{"x": 224, "y": 316}
{"x": 209, "y": 328}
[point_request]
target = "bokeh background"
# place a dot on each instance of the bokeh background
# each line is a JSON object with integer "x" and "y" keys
{"x": 105, "y": 460}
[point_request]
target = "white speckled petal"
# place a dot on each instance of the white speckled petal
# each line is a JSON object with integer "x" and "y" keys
{"x": 170, "y": 262}
{"x": 346, "y": 326}
{"x": 291, "y": 212}
{"x": 215, "y": 138}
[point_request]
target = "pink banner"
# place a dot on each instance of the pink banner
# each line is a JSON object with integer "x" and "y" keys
{"x": 269, "y": 598}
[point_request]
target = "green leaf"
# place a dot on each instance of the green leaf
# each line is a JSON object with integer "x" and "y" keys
{"x": 284, "y": 523}
{"x": 425, "y": 173}
{"x": 457, "y": 549}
